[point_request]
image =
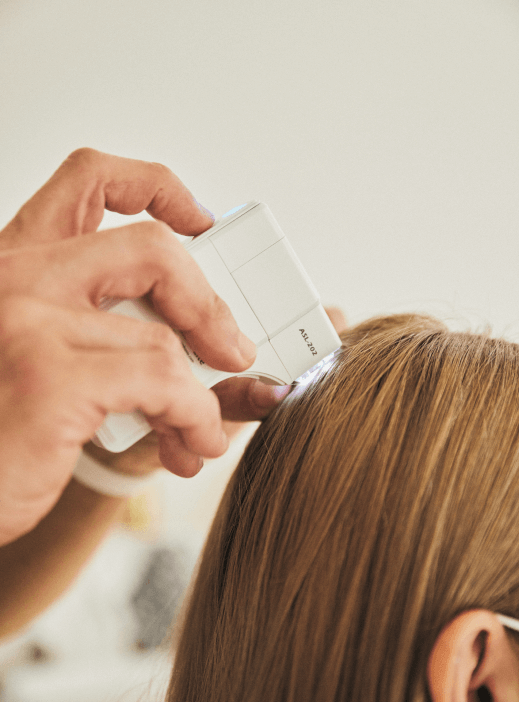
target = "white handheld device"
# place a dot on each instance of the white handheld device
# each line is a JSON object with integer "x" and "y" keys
{"x": 249, "y": 263}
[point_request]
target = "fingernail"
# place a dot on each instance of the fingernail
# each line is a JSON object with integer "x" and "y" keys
{"x": 205, "y": 211}
{"x": 200, "y": 463}
{"x": 247, "y": 348}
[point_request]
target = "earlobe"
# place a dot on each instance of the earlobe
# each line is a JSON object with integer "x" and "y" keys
{"x": 473, "y": 651}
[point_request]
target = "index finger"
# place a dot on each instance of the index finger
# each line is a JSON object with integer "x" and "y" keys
{"x": 74, "y": 199}
{"x": 126, "y": 263}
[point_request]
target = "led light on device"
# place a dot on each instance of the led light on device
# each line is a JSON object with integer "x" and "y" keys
{"x": 234, "y": 210}
{"x": 318, "y": 369}
{"x": 247, "y": 260}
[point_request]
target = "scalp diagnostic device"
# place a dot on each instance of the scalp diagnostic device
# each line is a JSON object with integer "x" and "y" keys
{"x": 249, "y": 263}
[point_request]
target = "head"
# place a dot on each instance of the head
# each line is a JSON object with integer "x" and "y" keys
{"x": 369, "y": 532}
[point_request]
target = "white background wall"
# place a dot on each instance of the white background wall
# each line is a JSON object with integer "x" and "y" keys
{"x": 382, "y": 133}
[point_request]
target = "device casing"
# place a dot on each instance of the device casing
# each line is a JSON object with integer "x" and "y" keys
{"x": 249, "y": 263}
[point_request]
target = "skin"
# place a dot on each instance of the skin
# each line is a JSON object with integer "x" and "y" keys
{"x": 39, "y": 566}
{"x": 471, "y": 652}
{"x": 64, "y": 363}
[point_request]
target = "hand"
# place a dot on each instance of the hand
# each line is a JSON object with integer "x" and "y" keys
{"x": 245, "y": 399}
{"x": 242, "y": 400}
{"x": 64, "y": 363}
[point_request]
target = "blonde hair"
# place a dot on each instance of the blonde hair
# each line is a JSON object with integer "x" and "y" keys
{"x": 369, "y": 509}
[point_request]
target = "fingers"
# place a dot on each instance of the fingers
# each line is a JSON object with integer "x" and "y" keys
{"x": 93, "y": 329}
{"x": 154, "y": 260}
{"x": 127, "y": 263}
{"x": 246, "y": 399}
{"x": 143, "y": 457}
{"x": 162, "y": 386}
{"x": 146, "y": 368}
{"x": 66, "y": 379}
{"x": 73, "y": 201}
{"x": 153, "y": 451}
{"x": 140, "y": 459}
{"x": 174, "y": 455}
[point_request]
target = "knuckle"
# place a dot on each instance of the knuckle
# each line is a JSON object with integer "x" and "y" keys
{"x": 164, "y": 337}
{"x": 34, "y": 365}
{"x": 210, "y": 309}
{"x": 169, "y": 368}
{"x": 84, "y": 157}
{"x": 163, "y": 172}
{"x": 159, "y": 244}
{"x": 155, "y": 238}
{"x": 158, "y": 233}
{"x": 150, "y": 241}
{"x": 18, "y": 315}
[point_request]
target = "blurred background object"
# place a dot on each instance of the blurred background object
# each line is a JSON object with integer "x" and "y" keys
{"x": 383, "y": 136}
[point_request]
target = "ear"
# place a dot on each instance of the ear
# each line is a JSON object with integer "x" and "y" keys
{"x": 472, "y": 651}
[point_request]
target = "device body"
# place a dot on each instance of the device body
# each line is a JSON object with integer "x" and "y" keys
{"x": 249, "y": 263}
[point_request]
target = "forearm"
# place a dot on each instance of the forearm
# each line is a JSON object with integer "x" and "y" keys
{"x": 39, "y": 566}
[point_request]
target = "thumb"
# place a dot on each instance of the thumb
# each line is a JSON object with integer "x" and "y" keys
{"x": 246, "y": 399}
